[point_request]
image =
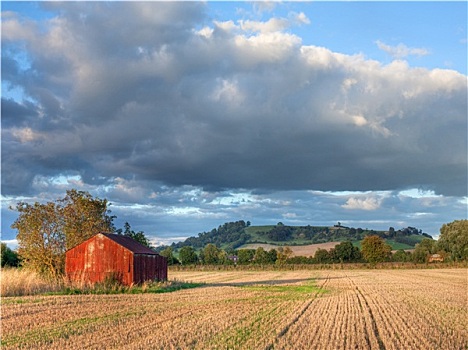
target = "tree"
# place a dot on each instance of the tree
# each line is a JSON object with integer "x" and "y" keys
{"x": 346, "y": 252}
{"x": 41, "y": 240}
{"x": 137, "y": 236}
{"x": 46, "y": 231}
{"x": 283, "y": 255}
{"x": 322, "y": 256}
{"x": 272, "y": 256}
{"x": 223, "y": 258}
{"x": 454, "y": 239}
{"x": 210, "y": 254}
{"x": 83, "y": 217}
{"x": 423, "y": 249}
{"x": 261, "y": 256}
{"x": 167, "y": 253}
{"x": 187, "y": 255}
{"x": 245, "y": 256}
{"x": 374, "y": 249}
{"x": 9, "y": 257}
{"x": 401, "y": 256}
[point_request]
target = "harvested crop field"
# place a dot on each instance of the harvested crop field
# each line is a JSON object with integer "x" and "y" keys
{"x": 298, "y": 250}
{"x": 339, "y": 309}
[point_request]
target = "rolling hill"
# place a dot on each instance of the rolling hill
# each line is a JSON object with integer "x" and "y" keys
{"x": 240, "y": 234}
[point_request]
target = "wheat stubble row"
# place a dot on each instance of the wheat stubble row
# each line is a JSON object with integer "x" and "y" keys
{"x": 339, "y": 309}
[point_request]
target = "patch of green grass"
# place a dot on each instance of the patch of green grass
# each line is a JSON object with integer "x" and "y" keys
{"x": 20, "y": 301}
{"x": 397, "y": 245}
{"x": 287, "y": 290}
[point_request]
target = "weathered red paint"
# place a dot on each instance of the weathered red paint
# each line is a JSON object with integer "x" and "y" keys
{"x": 121, "y": 257}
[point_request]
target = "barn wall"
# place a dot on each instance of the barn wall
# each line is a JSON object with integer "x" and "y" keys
{"x": 149, "y": 267}
{"x": 97, "y": 258}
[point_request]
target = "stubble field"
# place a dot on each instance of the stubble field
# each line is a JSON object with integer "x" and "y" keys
{"x": 336, "y": 309}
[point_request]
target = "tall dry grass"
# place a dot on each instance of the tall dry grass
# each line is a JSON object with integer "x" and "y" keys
{"x": 18, "y": 282}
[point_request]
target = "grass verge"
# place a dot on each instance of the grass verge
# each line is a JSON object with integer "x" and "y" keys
{"x": 21, "y": 282}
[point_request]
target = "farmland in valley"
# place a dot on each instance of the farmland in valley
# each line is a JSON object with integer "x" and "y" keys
{"x": 326, "y": 309}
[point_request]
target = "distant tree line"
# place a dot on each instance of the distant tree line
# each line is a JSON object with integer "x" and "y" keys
{"x": 232, "y": 235}
{"x": 451, "y": 246}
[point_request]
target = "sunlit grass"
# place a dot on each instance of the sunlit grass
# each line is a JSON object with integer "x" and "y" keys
{"x": 22, "y": 282}
{"x": 18, "y": 282}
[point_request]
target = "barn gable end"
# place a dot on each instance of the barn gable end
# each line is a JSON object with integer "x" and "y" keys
{"x": 110, "y": 255}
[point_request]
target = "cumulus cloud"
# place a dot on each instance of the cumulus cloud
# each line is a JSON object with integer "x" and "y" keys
{"x": 134, "y": 94}
{"x": 366, "y": 203}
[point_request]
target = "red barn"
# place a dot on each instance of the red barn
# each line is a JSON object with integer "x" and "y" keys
{"x": 111, "y": 255}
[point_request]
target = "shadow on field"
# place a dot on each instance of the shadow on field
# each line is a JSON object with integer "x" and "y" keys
{"x": 273, "y": 282}
{"x": 256, "y": 283}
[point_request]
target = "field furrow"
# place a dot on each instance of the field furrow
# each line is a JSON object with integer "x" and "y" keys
{"x": 336, "y": 309}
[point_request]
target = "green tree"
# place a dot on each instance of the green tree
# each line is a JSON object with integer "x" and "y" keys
{"x": 322, "y": 256}
{"x": 188, "y": 255}
{"x": 423, "y": 249}
{"x": 272, "y": 255}
{"x": 261, "y": 256}
{"x": 9, "y": 257}
{"x": 46, "y": 231}
{"x": 374, "y": 249}
{"x": 346, "y": 252}
{"x": 401, "y": 256}
{"x": 454, "y": 239}
{"x": 245, "y": 256}
{"x": 210, "y": 254}
{"x": 223, "y": 258}
{"x": 137, "y": 236}
{"x": 168, "y": 253}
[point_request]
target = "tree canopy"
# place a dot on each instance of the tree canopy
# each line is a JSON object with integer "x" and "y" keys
{"x": 454, "y": 239}
{"x": 9, "y": 257}
{"x": 188, "y": 255}
{"x": 374, "y": 249}
{"x": 47, "y": 230}
{"x": 137, "y": 236}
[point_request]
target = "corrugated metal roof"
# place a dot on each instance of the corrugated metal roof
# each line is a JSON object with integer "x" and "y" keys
{"x": 130, "y": 244}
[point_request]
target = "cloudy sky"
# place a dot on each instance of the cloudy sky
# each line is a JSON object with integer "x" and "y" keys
{"x": 186, "y": 115}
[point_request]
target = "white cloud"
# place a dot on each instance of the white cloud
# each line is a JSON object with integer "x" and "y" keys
{"x": 366, "y": 203}
{"x": 401, "y": 50}
{"x": 272, "y": 25}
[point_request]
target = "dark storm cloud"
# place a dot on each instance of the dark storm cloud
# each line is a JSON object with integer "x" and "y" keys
{"x": 154, "y": 92}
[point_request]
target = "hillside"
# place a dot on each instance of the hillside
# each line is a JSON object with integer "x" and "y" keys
{"x": 233, "y": 235}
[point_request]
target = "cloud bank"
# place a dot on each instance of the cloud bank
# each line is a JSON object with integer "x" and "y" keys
{"x": 139, "y": 96}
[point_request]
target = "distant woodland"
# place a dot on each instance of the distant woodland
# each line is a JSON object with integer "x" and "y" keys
{"x": 233, "y": 235}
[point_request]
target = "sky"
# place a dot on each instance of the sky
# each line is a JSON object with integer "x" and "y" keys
{"x": 187, "y": 115}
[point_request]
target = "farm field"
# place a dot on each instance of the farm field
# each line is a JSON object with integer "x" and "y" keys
{"x": 326, "y": 309}
{"x": 298, "y": 250}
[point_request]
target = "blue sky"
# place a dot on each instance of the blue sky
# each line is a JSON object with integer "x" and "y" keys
{"x": 356, "y": 27}
{"x": 188, "y": 115}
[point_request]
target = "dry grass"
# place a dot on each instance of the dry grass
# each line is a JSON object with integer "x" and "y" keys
{"x": 340, "y": 309}
{"x": 17, "y": 282}
{"x": 23, "y": 282}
